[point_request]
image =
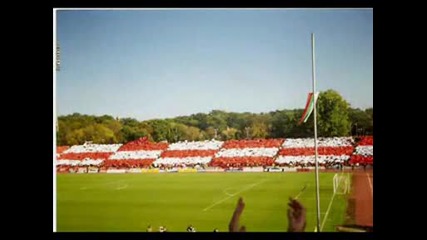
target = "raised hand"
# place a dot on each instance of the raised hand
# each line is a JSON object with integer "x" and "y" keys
{"x": 296, "y": 216}
{"x": 234, "y": 223}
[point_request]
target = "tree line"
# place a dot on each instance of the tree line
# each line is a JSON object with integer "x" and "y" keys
{"x": 335, "y": 117}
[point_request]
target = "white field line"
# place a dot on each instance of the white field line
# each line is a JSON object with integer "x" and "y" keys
{"x": 111, "y": 182}
{"x": 302, "y": 190}
{"x": 370, "y": 185}
{"x": 226, "y": 192}
{"x": 122, "y": 187}
{"x": 232, "y": 195}
{"x": 85, "y": 188}
{"x": 104, "y": 184}
{"x": 327, "y": 212}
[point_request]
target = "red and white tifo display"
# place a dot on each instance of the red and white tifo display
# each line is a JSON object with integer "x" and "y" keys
{"x": 240, "y": 153}
{"x": 143, "y": 153}
{"x": 364, "y": 153}
{"x": 140, "y": 153}
{"x": 87, "y": 154}
{"x": 301, "y": 151}
{"x": 189, "y": 153}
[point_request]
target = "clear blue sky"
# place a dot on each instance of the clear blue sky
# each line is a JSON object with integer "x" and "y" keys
{"x": 149, "y": 64}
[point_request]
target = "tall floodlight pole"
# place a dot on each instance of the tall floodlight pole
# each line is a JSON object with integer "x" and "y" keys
{"x": 313, "y": 74}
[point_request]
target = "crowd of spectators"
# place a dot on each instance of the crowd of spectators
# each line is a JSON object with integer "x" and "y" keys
{"x": 188, "y": 154}
{"x": 247, "y": 152}
{"x": 94, "y": 148}
{"x": 255, "y": 143}
{"x": 300, "y": 152}
{"x": 129, "y": 163}
{"x": 321, "y": 142}
{"x": 309, "y": 161}
{"x": 348, "y": 150}
{"x": 366, "y": 141}
{"x": 196, "y": 145}
{"x": 236, "y": 162}
{"x": 142, "y": 153}
{"x": 186, "y": 161}
{"x": 364, "y": 152}
{"x": 143, "y": 144}
{"x": 85, "y": 155}
{"x": 134, "y": 155}
{"x": 61, "y": 149}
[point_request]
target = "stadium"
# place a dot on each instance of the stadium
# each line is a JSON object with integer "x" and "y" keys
{"x": 198, "y": 183}
{"x": 193, "y": 120}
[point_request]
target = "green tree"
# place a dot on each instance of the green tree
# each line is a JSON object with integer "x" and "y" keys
{"x": 258, "y": 130}
{"x": 132, "y": 133}
{"x": 161, "y": 130}
{"x": 210, "y": 133}
{"x": 335, "y": 118}
{"x": 132, "y": 129}
{"x": 75, "y": 137}
{"x": 193, "y": 133}
{"x": 229, "y": 133}
{"x": 131, "y": 122}
{"x": 332, "y": 114}
{"x": 370, "y": 126}
{"x": 115, "y": 126}
{"x": 361, "y": 121}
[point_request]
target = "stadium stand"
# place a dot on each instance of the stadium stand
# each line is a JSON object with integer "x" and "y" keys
{"x": 256, "y": 143}
{"x": 142, "y": 153}
{"x": 128, "y": 163}
{"x": 143, "y": 144}
{"x": 61, "y": 149}
{"x": 188, "y": 153}
{"x": 247, "y": 153}
{"x": 198, "y": 145}
{"x": 133, "y": 155}
{"x": 366, "y": 141}
{"x": 94, "y": 148}
{"x": 85, "y": 155}
{"x": 301, "y": 152}
{"x": 364, "y": 151}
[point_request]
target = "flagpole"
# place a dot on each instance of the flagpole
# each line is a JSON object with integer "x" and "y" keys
{"x": 315, "y": 134}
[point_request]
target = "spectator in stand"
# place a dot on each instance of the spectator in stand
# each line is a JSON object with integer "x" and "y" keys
{"x": 296, "y": 217}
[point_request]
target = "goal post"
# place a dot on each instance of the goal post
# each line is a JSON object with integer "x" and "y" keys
{"x": 341, "y": 184}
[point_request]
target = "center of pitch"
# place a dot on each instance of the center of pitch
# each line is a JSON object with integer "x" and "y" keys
{"x": 227, "y": 191}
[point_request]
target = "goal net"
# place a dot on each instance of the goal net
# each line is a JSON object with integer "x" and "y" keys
{"x": 341, "y": 184}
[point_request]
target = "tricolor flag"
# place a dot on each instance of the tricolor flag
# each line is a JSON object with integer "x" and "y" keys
{"x": 309, "y": 106}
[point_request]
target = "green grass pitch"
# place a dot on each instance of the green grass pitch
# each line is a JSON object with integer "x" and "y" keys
{"x": 131, "y": 202}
